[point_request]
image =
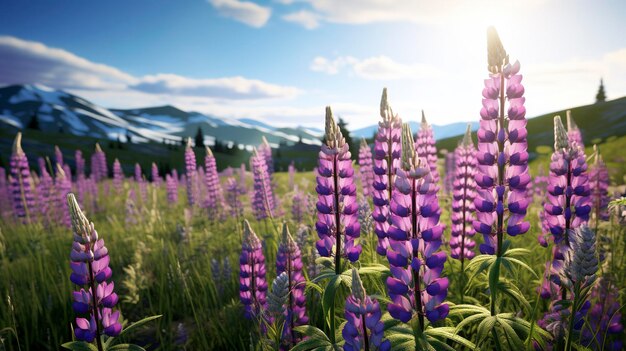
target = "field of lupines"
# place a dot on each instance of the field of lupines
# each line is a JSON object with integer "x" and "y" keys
{"x": 376, "y": 257}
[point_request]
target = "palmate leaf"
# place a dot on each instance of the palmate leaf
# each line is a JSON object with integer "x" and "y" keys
{"x": 80, "y": 346}
{"x": 449, "y": 333}
{"x": 520, "y": 264}
{"x": 484, "y": 329}
{"x": 478, "y": 265}
{"x": 316, "y": 340}
{"x": 514, "y": 293}
{"x": 513, "y": 340}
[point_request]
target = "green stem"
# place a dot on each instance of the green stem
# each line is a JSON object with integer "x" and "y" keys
{"x": 332, "y": 321}
{"x": 570, "y": 329}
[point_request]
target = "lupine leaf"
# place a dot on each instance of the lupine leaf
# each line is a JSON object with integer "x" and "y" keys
{"x": 450, "y": 333}
{"x": 138, "y": 324}
{"x": 522, "y": 264}
{"x": 80, "y": 346}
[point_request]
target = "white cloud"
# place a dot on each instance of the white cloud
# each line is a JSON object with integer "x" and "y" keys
{"x": 306, "y": 19}
{"x": 374, "y": 68}
{"x": 25, "y": 62}
{"x": 234, "y": 88}
{"x": 243, "y": 11}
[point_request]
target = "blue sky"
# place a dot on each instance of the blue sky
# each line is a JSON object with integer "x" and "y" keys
{"x": 282, "y": 61}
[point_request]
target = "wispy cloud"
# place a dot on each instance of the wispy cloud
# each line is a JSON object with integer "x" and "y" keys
{"x": 243, "y": 11}
{"x": 375, "y": 68}
{"x": 306, "y": 19}
{"x": 23, "y": 62}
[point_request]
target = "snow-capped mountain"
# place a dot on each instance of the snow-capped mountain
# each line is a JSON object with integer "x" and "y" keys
{"x": 59, "y": 111}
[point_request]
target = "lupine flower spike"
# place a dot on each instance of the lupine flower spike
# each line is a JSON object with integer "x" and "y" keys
{"x": 22, "y": 196}
{"x": 190, "y": 168}
{"x": 502, "y": 173}
{"x": 387, "y": 148}
{"x": 363, "y": 329}
{"x": 118, "y": 176}
{"x": 99, "y": 170}
{"x": 573, "y": 133}
{"x": 599, "y": 182}
{"x": 263, "y": 198}
{"x": 90, "y": 272}
{"x": 252, "y": 283}
{"x": 366, "y": 170}
{"x": 289, "y": 261}
{"x": 415, "y": 260}
{"x": 63, "y": 185}
{"x": 425, "y": 147}
{"x": 214, "y": 194}
{"x": 464, "y": 193}
{"x": 337, "y": 224}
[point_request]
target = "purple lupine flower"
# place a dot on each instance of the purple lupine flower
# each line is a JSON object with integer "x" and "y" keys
{"x": 233, "y": 193}
{"x": 190, "y": 168}
{"x": 80, "y": 164}
{"x": 172, "y": 189}
{"x": 604, "y": 328}
{"x": 573, "y": 133}
{"x": 415, "y": 286}
{"x": 366, "y": 170}
{"x": 461, "y": 242}
{"x": 450, "y": 171}
{"x": 289, "y": 261}
{"x": 47, "y": 196}
{"x": 99, "y": 170}
{"x": 252, "y": 283}
{"x": 292, "y": 174}
{"x": 63, "y": 186}
{"x": 215, "y": 196}
{"x": 539, "y": 185}
{"x": 143, "y": 186}
{"x": 58, "y": 156}
{"x": 425, "y": 147}
{"x": 199, "y": 187}
{"x": 363, "y": 329}
{"x": 365, "y": 215}
{"x": 156, "y": 179}
{"x": 118, "y": 175}
{"x": 337, "y": 224}
{"x": 22, "y": 196}
{"x": 242, "y": 179}
{"x": 41, "y": 162}
{"x": 502, "y": 173}
{"x": 266, "y": 150}
{"x": 387, "y": 152}
{"x": 599, "y": 181}
{"x": 263, "y": 197}
{"x": 299, "y": 206}
{"x": 89, "y": 261}
{"x": 5, "y": 206}
{"x": 568, "y": 204}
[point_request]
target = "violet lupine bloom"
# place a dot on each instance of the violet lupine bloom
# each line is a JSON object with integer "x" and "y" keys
{"x": 47, "y": 196}
{"x": 233, "y": 194}
{"x": 387, "y": 152}
{"x": 604, "y": 328}
{"x": 363, "y": 329}
{"x": 156, "y": 179}
{"x": 58, "y": 156}
{"x": 599, "y": 181}
{"x": 502, "y": 173}
{"x": 292, "y": 174}
{"x": 80, "y": 164}
{"x": 263, "y": 197}
{"x": 41, "y": 162}
{"x": 266, "y": 150}
{"x": 449, "y": 170}
{"x": 95, "y": 298}
{"x": 63, "y": 186}
{"x": 5, "y": 206}
{"x": 190, "y": 168}
{"x": 143, "y": 189}
{"x": 461, "y": 243}
{"x": 337, "y": 225}
{"x": 425, "y": 147}
{"x": 242, "y": 179}
{"x": 252, "y": 282}
{"x": 539, "y": 185}
{"x": 415, "y": 260}
{"x": 289, "y": 260}
{"x": 215, "y": 196}
{"x": 99, "y": 170}
{"x": 366, "y": 168}
{"x": 22, "y": 196}
{"x": 568, "y": 204}
{"x": 172, "y": 189}
{"x": 118, "y": 176}
{"x": 299, "y": 206}
{"x": 573, "y": 133}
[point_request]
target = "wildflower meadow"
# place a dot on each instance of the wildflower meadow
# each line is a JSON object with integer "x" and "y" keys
{"x": 393, "y": 246}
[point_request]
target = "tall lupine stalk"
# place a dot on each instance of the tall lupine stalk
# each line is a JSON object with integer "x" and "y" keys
{"x": 289, "y": 261}
{"x": 568, "y": 203}
{"x": 252, "y": 282}
{"x": 242, "y": 179}
{"x": 387, "y": 152}
{"x": 190, "y": 168}
{"x": 449, "y": 167}
{"x": 141, "y": 182}
{"x": 118, "y": 175}
{"x": 58, "y": 156}
{"x": 292, "y": 174}
{"x": 415, "y": 260}
{"x": 366, "y": 170}
{"x": 263, "y": 197}
{"x": 22, "y": 196}
{"x": 171, "y": 189}
{"x": 156, "y": 178}
{"x": 599, "y": 182}
{"x": 214, "y": 194}
{"x": 5, "y": 206}
{"x": 299, "y": 206}
{"x": 233, "y": 193}
{"x": 80, "y": 176}
{"x": 502, "y": 173}
{"x": 63, "y": 186}
{"x": 573, "y": 133}
{"x": 266, "y": 150}
{"x": 337, "y": 224}
{"x": 99, "y": 170}
{"x": 463, "y": 209}
{"x": 90, "y": 270}
{"x": 47, "y": 196}
{"x": 425, "y": 147}
{"x": 363, "y": 329}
